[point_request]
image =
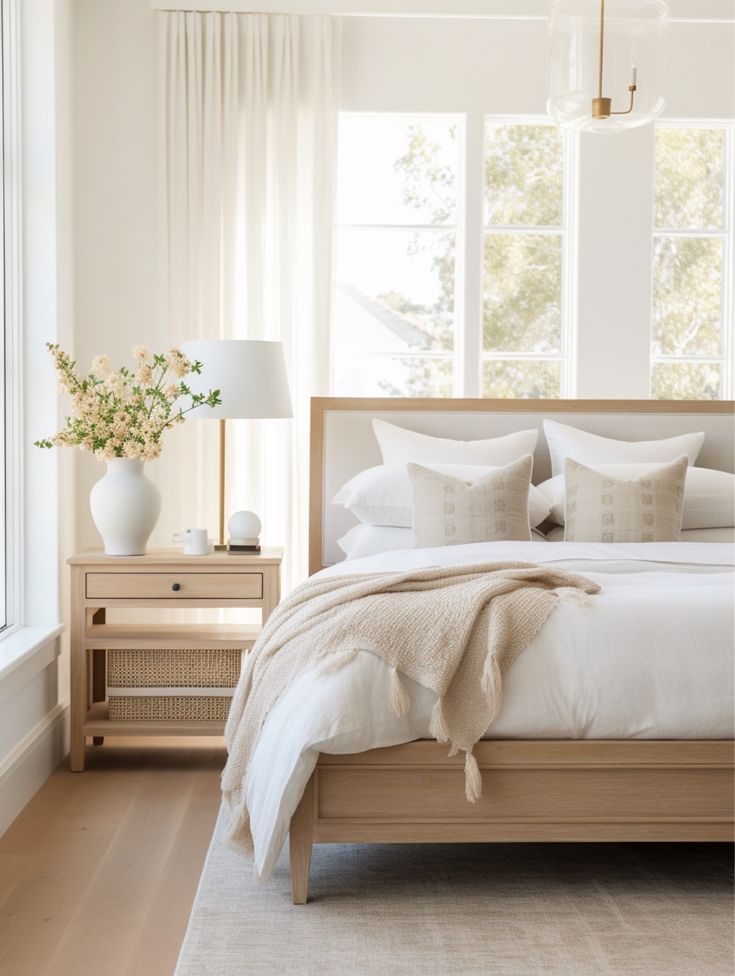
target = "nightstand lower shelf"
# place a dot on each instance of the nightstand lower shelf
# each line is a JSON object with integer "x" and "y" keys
{"x": 97, "y": 724}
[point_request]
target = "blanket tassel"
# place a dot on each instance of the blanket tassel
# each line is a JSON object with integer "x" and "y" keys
{"x": 337, "y": 660}
{"x": 472, "y": 778}
{"x": 437, "y": 726}
{"x": 492, "y": 685}
{"x": 573, "y": 595}
{"x": 399, "y": 700}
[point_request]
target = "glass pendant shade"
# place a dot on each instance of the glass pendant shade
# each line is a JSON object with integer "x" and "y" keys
{"x": 628, "y": 92}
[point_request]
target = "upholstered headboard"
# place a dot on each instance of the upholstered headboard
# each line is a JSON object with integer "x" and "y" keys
{"x": 343, "y": 442}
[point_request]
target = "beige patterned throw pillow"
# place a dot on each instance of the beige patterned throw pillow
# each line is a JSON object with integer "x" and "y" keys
{"x": 601, "y": 508}
{"x": 448, "y": 511}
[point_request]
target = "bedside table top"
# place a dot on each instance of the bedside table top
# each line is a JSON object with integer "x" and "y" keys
{"x": 175, "y": 557}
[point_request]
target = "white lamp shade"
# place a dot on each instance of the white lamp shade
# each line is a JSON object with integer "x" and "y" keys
{"x": 249, "y": 373}
{"x": 634, "y": 52}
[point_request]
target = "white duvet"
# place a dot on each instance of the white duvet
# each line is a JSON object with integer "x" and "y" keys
{"x": 651, "y": 658}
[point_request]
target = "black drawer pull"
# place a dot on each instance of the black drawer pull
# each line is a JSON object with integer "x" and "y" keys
{"x": 176, "y": 587}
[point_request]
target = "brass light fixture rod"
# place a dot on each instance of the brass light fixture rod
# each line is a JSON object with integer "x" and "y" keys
{"x": 601, "y": 106}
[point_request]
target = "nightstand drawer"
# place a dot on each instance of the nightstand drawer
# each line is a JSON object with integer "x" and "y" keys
{"x": 174, "y": 586}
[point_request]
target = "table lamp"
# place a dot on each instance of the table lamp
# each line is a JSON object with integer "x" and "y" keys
{"x": 251, "y": 377}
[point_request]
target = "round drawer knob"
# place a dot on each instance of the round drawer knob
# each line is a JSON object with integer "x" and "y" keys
{"x": 176, "y": 587}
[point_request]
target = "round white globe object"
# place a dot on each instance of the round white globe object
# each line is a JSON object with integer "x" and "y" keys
{"x": 244, "y": 525}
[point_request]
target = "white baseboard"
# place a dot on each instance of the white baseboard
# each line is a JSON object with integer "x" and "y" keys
{"x": 31, "y": 763}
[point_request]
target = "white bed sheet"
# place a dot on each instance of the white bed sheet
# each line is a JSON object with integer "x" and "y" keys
{"x": 651, "y": 658}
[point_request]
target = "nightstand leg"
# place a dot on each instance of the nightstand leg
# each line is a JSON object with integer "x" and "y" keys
{"x": 78, "y": 685}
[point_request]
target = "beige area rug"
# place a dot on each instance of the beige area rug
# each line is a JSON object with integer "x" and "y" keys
{"x": 469, "y": 910}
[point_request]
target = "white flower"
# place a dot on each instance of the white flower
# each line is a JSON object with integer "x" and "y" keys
{"x": 178, "y": 363}
{"x": 141, "y": 352}
{"x": 115, "y": 383}
{"x": 144, "y": 376}
{"x": 101, "y": 366}
{"x": 132, "y": 449}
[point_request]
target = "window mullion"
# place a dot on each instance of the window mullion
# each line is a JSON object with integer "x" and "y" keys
{"x": 468, "y": 270}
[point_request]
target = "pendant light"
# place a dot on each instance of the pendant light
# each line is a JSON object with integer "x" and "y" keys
{"x": 606, "y": 63}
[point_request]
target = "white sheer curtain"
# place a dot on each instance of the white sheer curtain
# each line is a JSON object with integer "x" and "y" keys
{"x": 248, "y": 135}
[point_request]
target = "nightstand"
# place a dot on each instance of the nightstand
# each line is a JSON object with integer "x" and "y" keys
{"x": 166, "y": 580}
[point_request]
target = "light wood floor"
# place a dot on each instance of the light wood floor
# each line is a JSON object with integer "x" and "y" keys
{"x": 98, "y": 873}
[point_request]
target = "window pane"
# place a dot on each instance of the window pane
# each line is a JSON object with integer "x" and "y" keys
{"x": 687, "y": 296}
{"x": 521, "y": 378}
{"x": 413, "y": 376}
{"x": 524, "y": 175}
{"x": 395, "y": 169}
{"x": 686, "y": 381}
{"x": 522, "y": 293}
{"x": 690, "y": 178}
{"x": 394, "y": 290}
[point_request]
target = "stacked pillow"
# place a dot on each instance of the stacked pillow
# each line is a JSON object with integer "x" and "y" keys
{"x": 438, "y": 491}
{"x": 615, "y": 489}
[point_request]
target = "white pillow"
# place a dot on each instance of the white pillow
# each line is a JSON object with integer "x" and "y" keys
{"x": 370, "y": 540}
{"x": 709, "y": 495}
{"x": 382, "y": 495}
{"x": 721, "y": 536}
{"x": 593, "y": 450}
{"x": 373, "y": 540}
{"x": 398, "y": 445}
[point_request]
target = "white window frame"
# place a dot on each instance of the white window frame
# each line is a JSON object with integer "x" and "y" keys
{"x": 726, "y": 359}
{"x": 469, "y": 228}
{"x": 10, "y": 167}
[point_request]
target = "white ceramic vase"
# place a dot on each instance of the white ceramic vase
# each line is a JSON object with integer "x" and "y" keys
{"x": 125, "y": 506}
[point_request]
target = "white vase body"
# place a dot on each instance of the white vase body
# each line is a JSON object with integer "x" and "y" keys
{"x": 125, "y": 506}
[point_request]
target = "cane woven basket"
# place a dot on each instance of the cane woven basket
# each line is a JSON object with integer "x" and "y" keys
{"x": 170, "y": 708}
{"x": 192, "y": 667}
{"x": 141, "y": 683}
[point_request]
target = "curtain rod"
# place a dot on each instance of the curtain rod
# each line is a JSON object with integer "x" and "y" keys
{"x": 683, "y": 11}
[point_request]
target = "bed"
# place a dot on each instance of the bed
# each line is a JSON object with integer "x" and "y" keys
{"x": 639, "y": 761}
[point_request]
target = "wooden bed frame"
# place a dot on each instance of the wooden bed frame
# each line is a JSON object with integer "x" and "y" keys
{"x": 533, "y": 790}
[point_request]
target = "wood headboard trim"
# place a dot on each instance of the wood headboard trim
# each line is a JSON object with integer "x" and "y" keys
{"x": 320, "y": 406}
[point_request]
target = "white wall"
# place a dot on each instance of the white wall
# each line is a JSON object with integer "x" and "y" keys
{"x": 115, "y": 138}
{"x": 389, "y": 64}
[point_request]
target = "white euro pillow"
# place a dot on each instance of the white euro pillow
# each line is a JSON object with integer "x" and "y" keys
{"x": 709, "y": 495}
{"x": 398, "y": 446}
{"x": 382, "y": 495}
{"x": 593, "y": 450}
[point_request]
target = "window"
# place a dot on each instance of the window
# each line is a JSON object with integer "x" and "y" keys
{"x": 394, "y": 306}
{"x": 523, "y": 338}
{"x": 692, "y": 263}
{"x": 404, "y": 256}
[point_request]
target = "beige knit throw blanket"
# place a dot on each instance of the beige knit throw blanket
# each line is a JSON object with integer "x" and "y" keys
{"x": 453, "y": 630}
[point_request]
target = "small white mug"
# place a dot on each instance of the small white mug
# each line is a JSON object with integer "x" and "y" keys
{"x": 195, "y": 541}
